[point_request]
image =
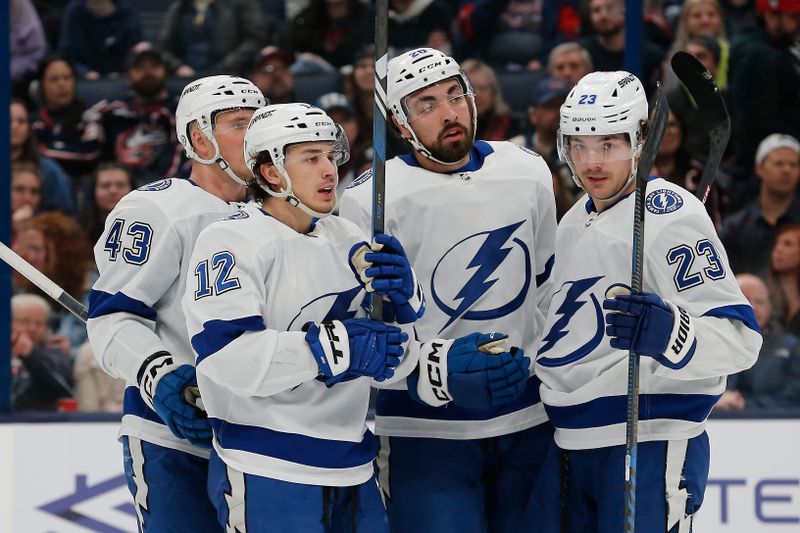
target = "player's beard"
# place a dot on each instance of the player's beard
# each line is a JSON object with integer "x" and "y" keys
{"x": 452, "y": 151}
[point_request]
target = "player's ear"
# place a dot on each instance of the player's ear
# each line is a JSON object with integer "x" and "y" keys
{"x": 270, "y": 174}
{"x": 404, "y": 132}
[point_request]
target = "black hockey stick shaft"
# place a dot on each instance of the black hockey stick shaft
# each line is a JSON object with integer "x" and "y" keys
{"x": 646, "y": 161}
{"x": 703, "y": 89}
{"x": 379, "y": 131}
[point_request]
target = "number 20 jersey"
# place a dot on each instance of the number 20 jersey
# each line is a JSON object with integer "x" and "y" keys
{"x": 584, "y": 379}
{"x": 135, "y": 305}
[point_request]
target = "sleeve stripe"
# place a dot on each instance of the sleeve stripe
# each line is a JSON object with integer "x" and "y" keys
{"x": 217, "y": 334}
{"x": 103, "y": 303}
{"x": 743, "y": 313}
{"x": 548, "y": 268}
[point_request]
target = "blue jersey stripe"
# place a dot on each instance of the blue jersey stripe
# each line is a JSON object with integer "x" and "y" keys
{"x": 300, "y": 449}
{"x": 742, "y": 312}
{"x": 104, "y": 303}
{"x": 399, "y": 403}
{"x": 133, "y": 404}
{"x": 612, "y": 410}
{"x": 217, "y": 334}
{"x": 548, "y": 267}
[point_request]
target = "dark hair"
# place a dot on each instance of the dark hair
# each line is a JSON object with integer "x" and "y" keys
{"x": 73, "y": 111}
{"x": 776, "y": 290}
{"x": 26, "y": 166}
{"x": 30, "y": 150}
{"x": 709, "y": 42}
{"x": 254, "y": 185}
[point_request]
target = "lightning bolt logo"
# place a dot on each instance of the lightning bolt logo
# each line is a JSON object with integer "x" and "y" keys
{"x": 565, "y": 312}
{"x": 486, "y": 260}
{"x": 345, "y": 305}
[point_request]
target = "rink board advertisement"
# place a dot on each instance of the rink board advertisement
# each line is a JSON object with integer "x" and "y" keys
{"x": 68, "y": 478}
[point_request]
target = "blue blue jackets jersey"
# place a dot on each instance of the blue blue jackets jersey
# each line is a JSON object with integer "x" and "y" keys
{"x": 481, "y": 241}
{"x": 584, "y": 380}
{"x": 256, "y": 282}
{"x": 135, "y": 304}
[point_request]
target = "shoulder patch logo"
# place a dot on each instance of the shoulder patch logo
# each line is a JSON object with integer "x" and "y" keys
{"x": 528, "y": 150}
{"x": 159, "y": 185}
{"x": 238, "y": 215}
{"x": 365, "y": 176}
{"x": 663, "y": 201}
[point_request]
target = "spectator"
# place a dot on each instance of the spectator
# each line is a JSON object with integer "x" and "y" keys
{"x": 60, "y": 125}
{"x": 739, "y": 16}
{"x": 765, "y": 79}
{"x": 494, "y": 119}
{"x": 41, "y": 372}
{"x": 28, "y": 45}
{"x": 95, "y": 390}
{"x": 271, "y": 74}
{"x": 359, "y": 86}
{"x": 569, "y": 62}
{"x": 26, "y": 192}
{"x": 704, "y": 17}
{"x": 748, "y": 233}
{"x": 784, "y": 276}
{"x": 513, "y": 34}
{"x": 774, "y": 381}
{"x": 325, "y": 28}
{"x": 341, "y": 111}
{"x": 56, "y": 245}
{"x": 139, "y": 130}
{"x": 97, "y": 36}
{"x": 606, "y": 45}
{"x": 205, "y": 36}
{"x": 110, "y": 183}
{"x": 414, "y": 24}
{"x": 56, "y": 190}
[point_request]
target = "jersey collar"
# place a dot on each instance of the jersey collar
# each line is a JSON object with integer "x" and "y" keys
{"x": 479, "y": 152}
{"x": 590, "y": 207}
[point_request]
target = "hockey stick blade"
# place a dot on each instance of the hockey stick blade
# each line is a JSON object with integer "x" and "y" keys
{"x": 701, "y": 86}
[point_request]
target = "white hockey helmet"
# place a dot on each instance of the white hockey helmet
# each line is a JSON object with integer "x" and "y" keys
{"x": 415, "y": 70}
{"x": 275, "y": 127}
{"x": 604, "y": 103}
{"x": 201, "y": 100}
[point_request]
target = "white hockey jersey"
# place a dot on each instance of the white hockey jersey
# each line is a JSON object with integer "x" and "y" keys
{"x": 584, "y": 380}
{"x": 135, "y": 305}
{"x": 257, "y": 282}
{"x": 481, "y": 240}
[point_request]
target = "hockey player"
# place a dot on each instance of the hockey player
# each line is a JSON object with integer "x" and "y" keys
{"x": 477, "y": 220}
{"x": 285, "y": 358}
{"x": 691, "y": 326}
{"x": 136, "y": 324}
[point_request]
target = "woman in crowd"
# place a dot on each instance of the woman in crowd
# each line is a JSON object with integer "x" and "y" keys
{"x": 784, "y": 277}
{"x": 26, "y": 192}
{"x": 494, "y": 120}
{"x": 111, "y": 181}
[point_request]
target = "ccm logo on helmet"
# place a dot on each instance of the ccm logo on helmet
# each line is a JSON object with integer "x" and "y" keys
{"x": 430, "y": 67}
{"x": 626, "y": 80}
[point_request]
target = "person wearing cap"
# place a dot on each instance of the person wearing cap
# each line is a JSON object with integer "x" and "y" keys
{"x": 212, "y": 36}
{"x": 748, "y": 233}
{"x": 764, "y": 79}
{"x": 97, "y": 35}
{"x": 138, "y": 130}
{"x": 272, "y": 74}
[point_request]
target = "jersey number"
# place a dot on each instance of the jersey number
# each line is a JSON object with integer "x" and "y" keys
{"x": 139, "y": 250}
{"x": 221, "y": 263}
{"x": 684, "y": 256}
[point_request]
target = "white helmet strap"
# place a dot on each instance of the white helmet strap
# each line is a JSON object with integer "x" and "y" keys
{"x": 289, "y": 196}
{"x": 217, "y": 157}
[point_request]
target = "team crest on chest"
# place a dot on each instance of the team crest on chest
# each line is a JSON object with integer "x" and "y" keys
{"x": 663, "y": 201}
{"x": 482, "y": 277}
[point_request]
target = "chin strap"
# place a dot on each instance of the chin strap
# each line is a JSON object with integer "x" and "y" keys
{"x": 289, "y": 196}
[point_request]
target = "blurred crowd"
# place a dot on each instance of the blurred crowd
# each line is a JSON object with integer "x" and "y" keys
{"x": 73, "y": 159}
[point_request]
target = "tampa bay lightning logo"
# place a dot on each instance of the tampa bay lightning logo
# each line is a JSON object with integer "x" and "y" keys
{"x": 496, "y": 259}
{"x": 365, "y": 176}
{"x": 331, "y": 306}
{"x": 159, "y": 185}
{"x": 238, "y": 215}
{"x": 573, "y": 300}
{"x": 663, "y": 201}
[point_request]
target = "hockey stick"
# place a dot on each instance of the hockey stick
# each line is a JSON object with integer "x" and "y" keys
{"x": 379, "y": 131}
{"x": 43, "y": 282}
{"x": 646, "y": 160}
{"x": 702, "y": 88}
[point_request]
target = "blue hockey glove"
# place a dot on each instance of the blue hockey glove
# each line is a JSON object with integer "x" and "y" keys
{"x": 355, "y": 347}
{"x": 163, "y": 384}
{"x": 647, "y": 325}
{"x": 384, "y": 268}
{"x": 480, "y": 373}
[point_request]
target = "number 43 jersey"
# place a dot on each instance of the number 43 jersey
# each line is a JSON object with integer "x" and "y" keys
{"x": 135, "y": 305}
{"x": 584, "y": 379}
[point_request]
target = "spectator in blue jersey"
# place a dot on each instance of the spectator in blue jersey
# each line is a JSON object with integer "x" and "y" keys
{"x": 774, "y": 381}
{"x": 64, "y": 133}
{"x": 40, "y": 374}
{"x": 97, "y": 36}
{"x": 212, "y": 36}
{"x": 138, "y": 131}
{"x": 57, "y": 190}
